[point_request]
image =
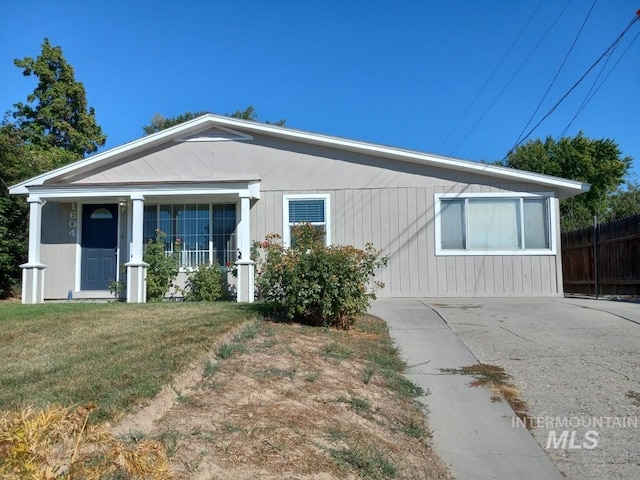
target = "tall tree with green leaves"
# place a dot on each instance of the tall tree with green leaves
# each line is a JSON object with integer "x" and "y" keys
{"x": 159, "y": 122}
{"x": 53, "y": 128}
{"x": 597, "y": 162}
{"x": 56, "y": 114}
{"x": 13, "y": 211}
{"x": 626, "y": 201}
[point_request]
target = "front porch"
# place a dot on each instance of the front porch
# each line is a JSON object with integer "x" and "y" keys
{"x": 89, "y": 238}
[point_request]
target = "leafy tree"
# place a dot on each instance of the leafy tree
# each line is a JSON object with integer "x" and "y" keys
{"x": 626, "y": 201}
{"x": 54, "y": 128}
{"x": 56, "y": 114}
{"x": 159, "y": 122}
{"x": 13, "y": 210}
{"x": 598, "y": 162}
{"x": 249, "y": 113}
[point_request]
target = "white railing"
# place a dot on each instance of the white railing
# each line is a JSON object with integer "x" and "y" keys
{"x": 191, "y": 259}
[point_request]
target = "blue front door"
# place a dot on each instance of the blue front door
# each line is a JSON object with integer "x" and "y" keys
{"x": 99, "y": 242}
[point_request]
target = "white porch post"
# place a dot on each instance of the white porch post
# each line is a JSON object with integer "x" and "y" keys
{"x": 33, "y": 270}
{"x": 136, "y": 267}
{"x": 245, "y": 286}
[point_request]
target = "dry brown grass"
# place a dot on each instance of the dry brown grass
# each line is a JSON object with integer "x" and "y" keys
{"x": 268, "y": 401}
{"x": 301, "y": 402}
{"x": 498, "y": 382}
{"x": 58, "y": 443}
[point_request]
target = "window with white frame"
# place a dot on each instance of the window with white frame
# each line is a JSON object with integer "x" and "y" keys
{"x": 307, "y": 208}
{"x": 205, "y": 233}
{"x": 494, "y": 224}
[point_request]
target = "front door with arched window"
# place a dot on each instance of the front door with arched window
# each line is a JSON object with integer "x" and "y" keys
{"x": 99, "y": 242}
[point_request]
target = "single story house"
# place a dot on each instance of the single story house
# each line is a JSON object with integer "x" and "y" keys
{"x": 215, "y": 184}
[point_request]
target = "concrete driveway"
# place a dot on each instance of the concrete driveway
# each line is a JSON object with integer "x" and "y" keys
{"x": 576, "y": 363}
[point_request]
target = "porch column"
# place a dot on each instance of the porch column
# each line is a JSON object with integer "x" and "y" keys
{"x": 245, "y": 287}
{"x": 136, "y": 267}
{"x": 33, "y": 270}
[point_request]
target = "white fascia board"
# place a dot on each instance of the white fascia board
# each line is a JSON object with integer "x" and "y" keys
{"x": 569, "y": 186}
{"x": 114, "y": 153}
{"x": 254, "y": 190}
{"x": 405, "y": 155}
{"x": 241, "y": 189}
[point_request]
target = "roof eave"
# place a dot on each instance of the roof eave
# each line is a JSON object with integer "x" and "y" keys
{"x": 113, "y": 153}
{"x": 566, "y": 188}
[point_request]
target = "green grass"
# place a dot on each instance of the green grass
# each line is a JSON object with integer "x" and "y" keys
{"x": 336, "y": 352}
{"x": 367, "y": 373}
{"x": 227, "y": 350}
{"x": 361, "y": 406}
{"x": 210, "y": 369}
{"x": 116, "y": 355}
{"x": 366, "y": 460}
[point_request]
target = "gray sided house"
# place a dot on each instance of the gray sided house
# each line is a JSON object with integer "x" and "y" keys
{"x": 216, "y": 184}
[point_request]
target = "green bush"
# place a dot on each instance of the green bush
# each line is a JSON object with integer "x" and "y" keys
{"x": 315, "y": 284}
{"x": 163, "y": 268}
{"x": 205, "y": 284}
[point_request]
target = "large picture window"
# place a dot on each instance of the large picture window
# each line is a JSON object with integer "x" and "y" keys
{"x": 494, "y": 224}
{"x": 308, "y": 208}
{"x": 205, "y": 233}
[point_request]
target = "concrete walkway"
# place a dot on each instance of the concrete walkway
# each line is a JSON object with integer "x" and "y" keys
{"x": 473, "y": 435}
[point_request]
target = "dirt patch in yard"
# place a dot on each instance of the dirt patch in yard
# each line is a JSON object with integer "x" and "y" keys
{"x": 281, "y": 401}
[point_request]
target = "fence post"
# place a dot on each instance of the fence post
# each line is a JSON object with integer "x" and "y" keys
{"x": 595, "y": 253}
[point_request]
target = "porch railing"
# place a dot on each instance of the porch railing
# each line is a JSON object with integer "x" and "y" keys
{"x": 190, "y": 259}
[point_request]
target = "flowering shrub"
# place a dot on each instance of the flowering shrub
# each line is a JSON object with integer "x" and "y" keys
{"x": 315, "y": 284}
{"x": 163, "y": 268}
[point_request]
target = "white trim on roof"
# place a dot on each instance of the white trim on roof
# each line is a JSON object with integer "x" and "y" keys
{"x": 214, "y": 134}
{"x": 242, "y": 189}
{"x": 570, "y": 187}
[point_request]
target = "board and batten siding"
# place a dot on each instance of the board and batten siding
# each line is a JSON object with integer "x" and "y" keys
{"x": 400, "y": 222}
{"x": 58, "y": 250}
{"x": 387, "y": 202}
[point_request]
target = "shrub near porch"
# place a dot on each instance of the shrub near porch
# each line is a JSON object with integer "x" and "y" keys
{"x": 313, "y": 283}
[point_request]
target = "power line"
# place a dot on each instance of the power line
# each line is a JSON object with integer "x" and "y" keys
{"x": 526, "y": 60}
{"x": 464, "y": 114}
{"x": 584, "y": 22}
{"x": 606, "y": 52}
{"x": 590, "y": 95}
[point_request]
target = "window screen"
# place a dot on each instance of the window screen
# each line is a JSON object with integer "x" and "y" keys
{"x": 306, "y": 211}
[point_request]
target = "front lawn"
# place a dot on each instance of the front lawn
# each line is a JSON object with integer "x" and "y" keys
{"x": 116, "y": 355}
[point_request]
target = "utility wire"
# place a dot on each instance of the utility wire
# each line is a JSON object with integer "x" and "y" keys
{"x": 490, "y": 76}
{"x": 588, "y": 98}
{"x": 593, "y": 85}
{"x": 606, "y": 52}
{"x": 512, "y": 78}
{"x": 584, "y": 22}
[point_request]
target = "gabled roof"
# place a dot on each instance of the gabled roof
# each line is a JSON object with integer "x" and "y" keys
{"x": 212, "y": 127}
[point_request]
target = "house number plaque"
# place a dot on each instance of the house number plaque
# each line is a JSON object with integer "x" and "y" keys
{"x": 73, "y": 220}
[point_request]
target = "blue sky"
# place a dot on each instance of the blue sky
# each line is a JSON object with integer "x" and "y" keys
{"x": 400, "y": 73}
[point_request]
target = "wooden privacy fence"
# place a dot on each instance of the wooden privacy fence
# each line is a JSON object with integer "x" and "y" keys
{"x": 604, "y": 259}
